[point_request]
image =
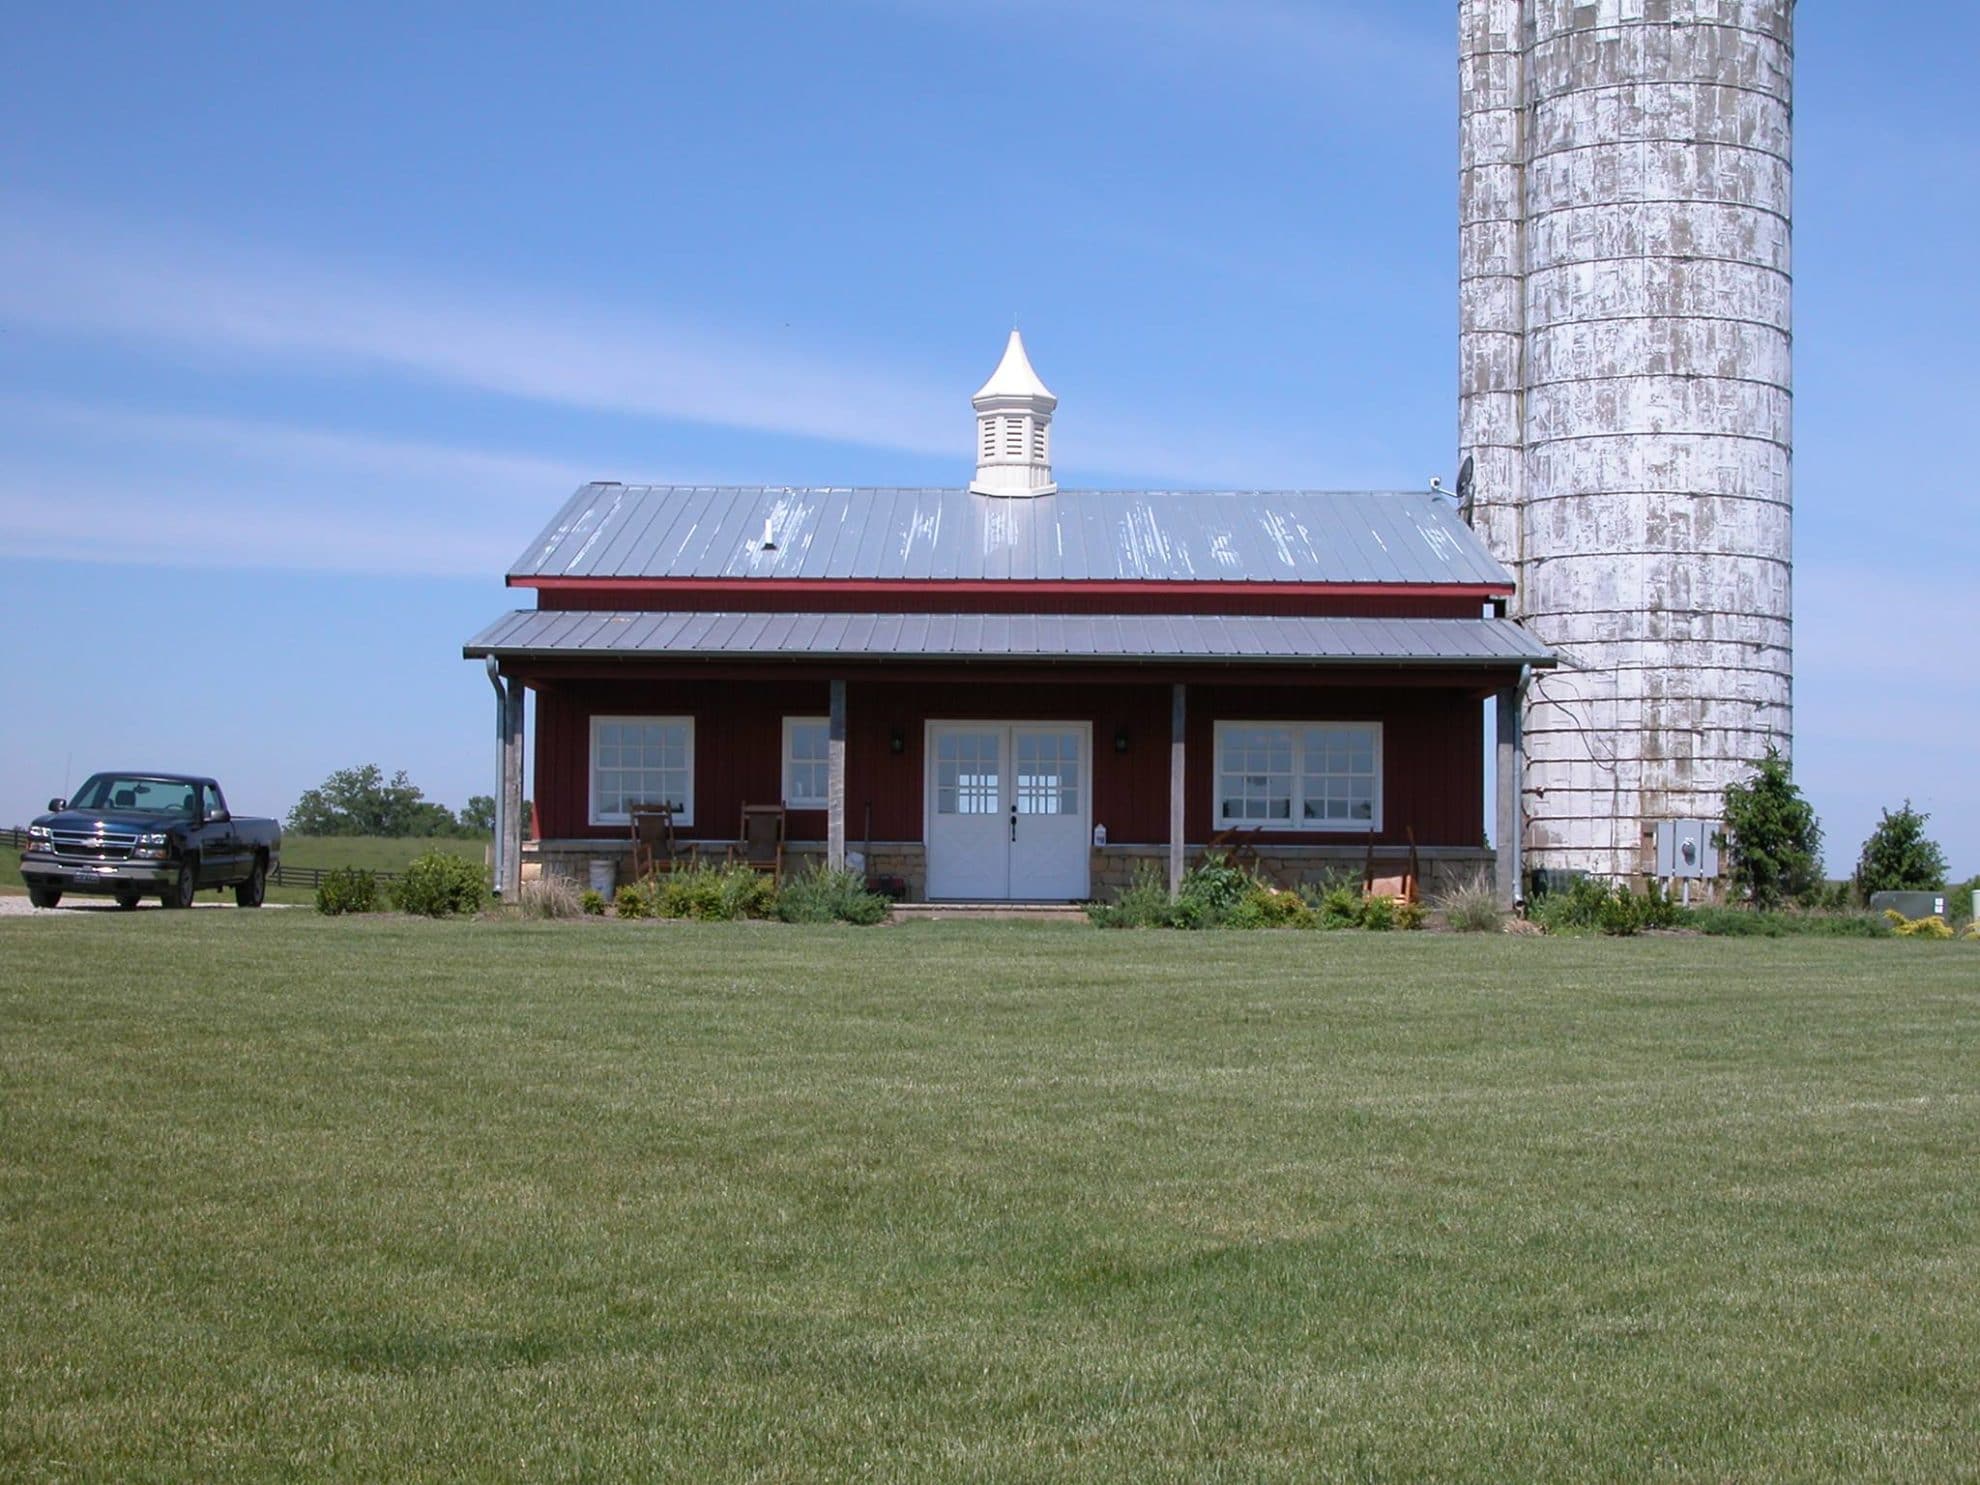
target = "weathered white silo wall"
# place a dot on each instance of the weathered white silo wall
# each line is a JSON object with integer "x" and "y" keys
{"x": 1626, "y": 392}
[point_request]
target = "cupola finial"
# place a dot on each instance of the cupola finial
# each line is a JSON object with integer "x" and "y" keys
{"x": 1014, "y": 428}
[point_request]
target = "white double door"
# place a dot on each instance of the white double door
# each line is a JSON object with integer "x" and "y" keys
{"x": 1008, "y": 809}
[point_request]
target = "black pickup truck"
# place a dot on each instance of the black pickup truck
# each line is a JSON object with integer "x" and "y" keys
{"x": 136, "y": 835}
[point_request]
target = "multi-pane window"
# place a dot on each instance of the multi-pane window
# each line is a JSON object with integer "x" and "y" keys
{"x": 639, "y": 761}
{"x": 806, "y": 762}
{"x": 967, "y": 773}
{"x": 1300, "y": 775}
{"x": 1047, "y": 773}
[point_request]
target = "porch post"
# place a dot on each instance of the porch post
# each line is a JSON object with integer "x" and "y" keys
{"x": 1508, "y": 827}
{"x": 509, "y": 812}
{"x": 835, "y": 781}
{"x": 1176, "y": 716}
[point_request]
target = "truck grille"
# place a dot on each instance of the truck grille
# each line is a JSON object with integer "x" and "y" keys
{"x": 108, "y": 845}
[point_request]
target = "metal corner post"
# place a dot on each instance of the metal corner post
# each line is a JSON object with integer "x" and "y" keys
{"x": 1178, "y": 715}
{"x": 1508, "y": 826}
{"x": 835, "y": 781}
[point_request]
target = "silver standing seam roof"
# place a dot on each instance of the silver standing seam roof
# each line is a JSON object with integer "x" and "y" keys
{"x": 836, "y": 534}
{"x": 1067, "y": 638}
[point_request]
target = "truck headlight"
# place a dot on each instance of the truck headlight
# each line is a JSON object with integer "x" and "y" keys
{"x": 154, "y": 843}
{"x": 39, "y": 835}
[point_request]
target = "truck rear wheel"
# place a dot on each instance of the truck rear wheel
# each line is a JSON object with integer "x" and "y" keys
{"x": 251, "y": 892}
{"x": 44, "y": 897}
{"x": 184, "y": 888}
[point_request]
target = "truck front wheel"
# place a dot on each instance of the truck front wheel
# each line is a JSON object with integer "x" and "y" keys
{"x": 184, "y": 888}
{"x": 44, "y": 897}
{"x": 251, "y": 892}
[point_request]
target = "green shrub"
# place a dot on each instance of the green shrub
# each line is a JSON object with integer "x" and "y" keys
{"x": 1473, "y": 906}
{"x": 1727, "y": 922}
{"x": 1409, "y": 915}
{"x": 1342, "y": 905}
{"x": 1620, "y": 913}
{"x": 822, "y": 895}
{"x": 1577, "y": 910}
{"x": 1378, "y": 914}
{"x": 712, "y": 894}
{"x": 630, "y": 902}
{"x": 1268, "y": 907}
{"x": 1209, "y": 891}
{"x": 1143, "y": 903}
{"x": 347, "y": 890}
{"x": 439, "y": 885}
{"x": 592, "y": 902}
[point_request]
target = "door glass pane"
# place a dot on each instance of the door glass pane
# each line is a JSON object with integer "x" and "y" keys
{"x": 1047, "y": 773}
{"x": 967, "y": 770}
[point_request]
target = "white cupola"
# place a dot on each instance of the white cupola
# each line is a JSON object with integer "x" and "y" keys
{"x": 1014, "y": 429}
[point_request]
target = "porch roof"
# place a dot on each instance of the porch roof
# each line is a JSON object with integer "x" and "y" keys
{"x": 1068, "y": 638}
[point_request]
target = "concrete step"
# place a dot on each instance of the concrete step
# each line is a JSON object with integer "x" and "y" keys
{"x": 933, "y": 912}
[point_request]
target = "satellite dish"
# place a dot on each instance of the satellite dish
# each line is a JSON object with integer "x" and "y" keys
{"x": 1465, "y": 472}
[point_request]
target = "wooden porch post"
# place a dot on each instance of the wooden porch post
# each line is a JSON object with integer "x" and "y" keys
{"x": 510, "y": 811}
{"x": 1508, "y": 827}
{"x": 835, "y": 781}
{"x": 1176, "y": 716}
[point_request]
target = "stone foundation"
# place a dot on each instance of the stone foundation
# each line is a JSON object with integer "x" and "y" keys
{"x": 1443, "y": 867}
{"x": 1113, "y": 867}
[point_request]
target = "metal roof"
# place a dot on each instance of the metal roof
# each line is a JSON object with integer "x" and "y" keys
{"x": 1131, "y": 638}
{"x": 690, "y": 531}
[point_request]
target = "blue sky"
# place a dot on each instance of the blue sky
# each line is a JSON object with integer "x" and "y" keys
{"x": 310, "y": 317}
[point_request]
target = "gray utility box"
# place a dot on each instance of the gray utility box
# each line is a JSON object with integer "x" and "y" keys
{"x": 1911, "y": 904}
{"x": 1685, "y": 849}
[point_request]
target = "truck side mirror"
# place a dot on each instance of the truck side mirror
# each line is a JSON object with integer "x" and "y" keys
{"x": 57, "y": 804}
{"x": 218, "y": 817}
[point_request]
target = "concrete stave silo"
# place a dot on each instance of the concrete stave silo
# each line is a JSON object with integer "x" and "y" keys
{"x": 1625, "y": 393}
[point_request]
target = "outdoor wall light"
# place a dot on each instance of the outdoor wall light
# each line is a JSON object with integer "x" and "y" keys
{"x": 1120, "y": 739}
{"x": 896, "y": 741}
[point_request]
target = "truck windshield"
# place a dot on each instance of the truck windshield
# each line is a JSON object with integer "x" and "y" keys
{"x": 109, "y": 791}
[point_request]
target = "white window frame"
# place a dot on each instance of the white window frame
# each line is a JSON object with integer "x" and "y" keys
{"x": 792, "y": 799}
{"x": 1298, "y": 821}
{"x": 682, "y": 816}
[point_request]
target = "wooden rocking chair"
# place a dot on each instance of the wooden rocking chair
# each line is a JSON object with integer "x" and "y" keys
{"x": 655, "y": 848}
{"x": 1405, "y": 886}
{"x": 761, "y": 843}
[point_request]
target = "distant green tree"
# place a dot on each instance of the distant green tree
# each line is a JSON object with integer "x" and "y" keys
{"x": 1900, "y": 857}
{"x": 361, "y": 801}
{"x": 478, "y": 814}
{"x": 1773, "y": 843}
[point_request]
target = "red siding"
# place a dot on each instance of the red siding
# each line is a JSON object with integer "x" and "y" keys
{"x": 1260, "y": 600}
{"x": 1432, "y": 742}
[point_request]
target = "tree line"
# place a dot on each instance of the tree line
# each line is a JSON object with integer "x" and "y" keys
{"x": 362, "y": 801}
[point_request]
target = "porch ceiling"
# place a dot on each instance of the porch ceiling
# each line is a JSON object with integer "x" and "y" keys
{"x": 1113, "y": 639}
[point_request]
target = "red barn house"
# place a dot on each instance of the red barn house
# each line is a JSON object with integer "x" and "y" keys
{"x": 1011, "y": 691}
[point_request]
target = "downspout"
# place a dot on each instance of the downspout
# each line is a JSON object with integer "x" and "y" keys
{"x": 501, "y": 766}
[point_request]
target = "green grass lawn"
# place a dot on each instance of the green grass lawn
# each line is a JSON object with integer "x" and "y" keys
{"x": 284, "y": 1197}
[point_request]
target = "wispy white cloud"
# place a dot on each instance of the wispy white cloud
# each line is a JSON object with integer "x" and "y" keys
{"x": 106, "y": 484}
{"x": 71, "y": 274}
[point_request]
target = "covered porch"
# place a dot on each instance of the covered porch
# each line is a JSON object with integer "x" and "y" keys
{"x": 1018, "y": 757}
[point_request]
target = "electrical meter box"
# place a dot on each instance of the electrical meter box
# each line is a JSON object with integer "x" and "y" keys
{"x": 1685, "y": 849}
